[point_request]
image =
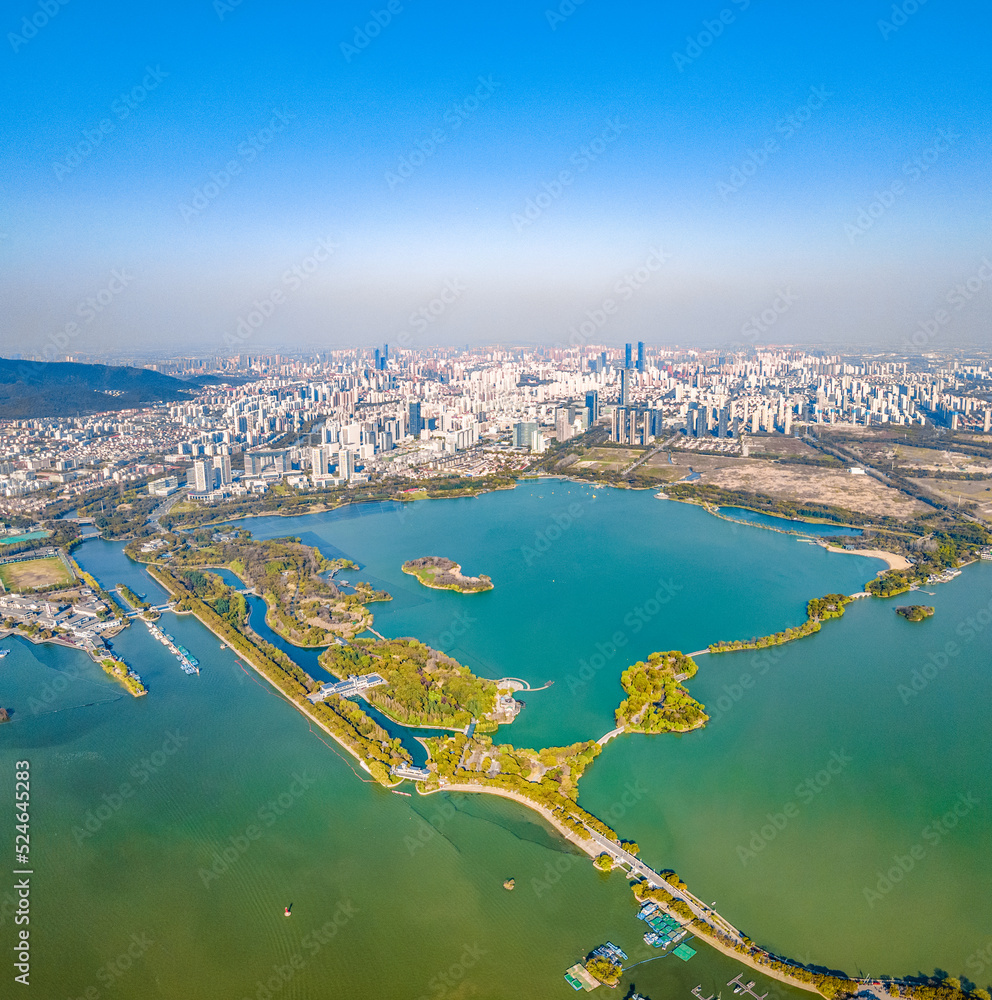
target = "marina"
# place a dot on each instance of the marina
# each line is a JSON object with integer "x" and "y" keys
{"x": 189, "y": 663}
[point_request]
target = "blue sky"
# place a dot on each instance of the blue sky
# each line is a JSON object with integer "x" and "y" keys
{"x": 743, "y": 138}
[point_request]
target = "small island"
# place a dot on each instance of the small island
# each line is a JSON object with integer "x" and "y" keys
{"x": 915, "y": 612}
{"x": 656, "y": 701}
{"x": 124, "y": 675}
{"x": 439, "y": 573}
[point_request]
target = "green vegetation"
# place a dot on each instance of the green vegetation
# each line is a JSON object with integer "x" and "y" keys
{"x": 818, "y": 610}
{"x": 915, "y": 612}
{"x": 124, "y": 675}
{"x": 548, "y": 778}
{"x": 444, "y": 574}
{"x": 303, "y": 603}
{"x": 343, "y": 719}
{"x": 291, "y": 501}
{"x": 423, "y": 687}
{"x": 604, "y": 862}
{"x": 656, "y": 700}
{"x": 604, "y": 970}
{"x": 132, "y": 598}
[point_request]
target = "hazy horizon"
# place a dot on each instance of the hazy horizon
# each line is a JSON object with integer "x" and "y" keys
{"x": 836, "y": 157}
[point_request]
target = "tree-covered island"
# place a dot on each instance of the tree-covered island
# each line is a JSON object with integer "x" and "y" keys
{"x": 423, "y": 686}
{"x": 303, "y": 603}
{"x": 439, "y": 573}
{"x": 818, "y": 610}
{"x": 657, "y": 701}
{"x": 915, "y": 612}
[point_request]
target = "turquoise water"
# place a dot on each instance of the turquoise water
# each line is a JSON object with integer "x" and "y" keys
{"x": 9, "y": 539}
{"x": 414, "y": 885}
{"x": 786, "y": 523}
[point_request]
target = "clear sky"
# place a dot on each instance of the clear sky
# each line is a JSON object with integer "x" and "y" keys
{"x": 766, "y": 149}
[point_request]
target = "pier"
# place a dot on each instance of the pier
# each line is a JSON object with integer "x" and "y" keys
{"x": 741, "y": 987}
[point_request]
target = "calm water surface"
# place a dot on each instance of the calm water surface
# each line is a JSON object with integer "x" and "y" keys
{"x": 135, "y": 803}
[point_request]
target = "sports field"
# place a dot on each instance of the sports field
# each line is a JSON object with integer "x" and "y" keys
{"x": 34, "y": 573}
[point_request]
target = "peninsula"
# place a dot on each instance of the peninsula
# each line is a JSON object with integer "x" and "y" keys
{"x": 439, "y": 573}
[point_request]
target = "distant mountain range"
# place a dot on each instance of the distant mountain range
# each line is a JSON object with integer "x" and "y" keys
{"x": 65, "y": 389}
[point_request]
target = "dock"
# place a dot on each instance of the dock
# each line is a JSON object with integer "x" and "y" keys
{"x": 741, "y": 987}
{"x": 579, "y": 979}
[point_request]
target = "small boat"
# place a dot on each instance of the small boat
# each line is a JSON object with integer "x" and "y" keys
{"x": 3, "y": 652}
{"x": 396, "y": 791}
{"x": 288, "y": 912}
{"x": 222, "y": 646}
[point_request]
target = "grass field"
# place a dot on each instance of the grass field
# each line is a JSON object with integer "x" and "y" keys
{"x": 34, "y": 573}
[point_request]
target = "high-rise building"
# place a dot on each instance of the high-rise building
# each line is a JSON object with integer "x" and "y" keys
{"x": 203, "y": 476}
{"x": 524, "y": 433}
{"x": 626, "y": 356}
{"x": 592, "y": 405}
{"x": 640, "y": 355}
{"x": 222, "y": 467}
{"x": 416, "y": 423}
{"x": 625, "y": 385}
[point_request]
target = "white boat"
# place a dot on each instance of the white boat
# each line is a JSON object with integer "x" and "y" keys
{"x": 3, "y": 652}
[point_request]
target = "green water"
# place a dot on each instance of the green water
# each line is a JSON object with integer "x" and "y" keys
{"x": 408, "y": 889}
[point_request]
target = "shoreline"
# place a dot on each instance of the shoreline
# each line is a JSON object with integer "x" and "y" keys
{"x": 593, "y": 850}
{"x": 892, "y": 559}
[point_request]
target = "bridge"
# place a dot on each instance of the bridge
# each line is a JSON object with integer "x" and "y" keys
{"x": 698, "y": 907}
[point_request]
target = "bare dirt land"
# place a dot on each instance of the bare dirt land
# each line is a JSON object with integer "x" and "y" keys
{"x": 805, "y": 483}
{"x": 609, "y": 459}
{"x": 34, "y": 573}
{"x": 961, "y": 492}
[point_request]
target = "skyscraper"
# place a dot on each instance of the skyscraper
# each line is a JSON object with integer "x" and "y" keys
{"x": 222, "y": 465}
{"x": 626, "y": 356}
{"x": 416, "y": 424}
{"x": 625, "y": 384}
{"x": 203, "y": 476}
{"x": 592, "y": 405}
{"x": 640, "y": 355}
